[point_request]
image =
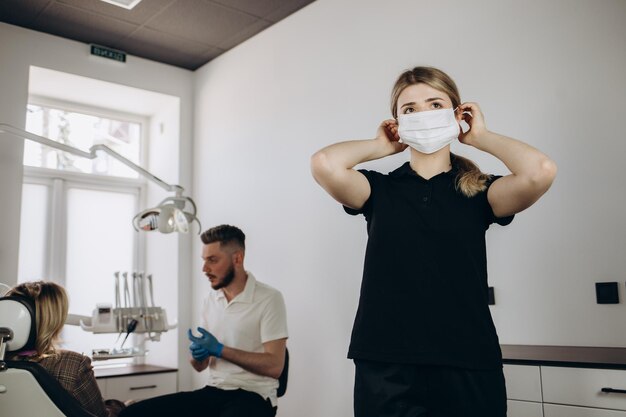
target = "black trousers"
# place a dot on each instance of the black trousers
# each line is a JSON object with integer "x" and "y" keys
{"x": 205, "y": 402}
{"x": 404, "y": 390}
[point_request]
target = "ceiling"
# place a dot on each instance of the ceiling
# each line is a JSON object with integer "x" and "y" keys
{"x": 183, "y": 33}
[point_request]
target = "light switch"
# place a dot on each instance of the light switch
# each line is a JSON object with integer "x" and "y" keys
{"x": 607, "y": 293}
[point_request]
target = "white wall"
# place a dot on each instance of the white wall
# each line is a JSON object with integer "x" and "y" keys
{"x": 549, "y": 73}
{"x": 19, "y": 50}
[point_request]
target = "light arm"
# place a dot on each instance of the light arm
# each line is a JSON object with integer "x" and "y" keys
{"x": 175, "y": 218}
{"x": 5, "y": 128}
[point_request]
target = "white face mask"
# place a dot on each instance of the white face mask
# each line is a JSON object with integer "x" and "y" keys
{"x": 428, "y": 131}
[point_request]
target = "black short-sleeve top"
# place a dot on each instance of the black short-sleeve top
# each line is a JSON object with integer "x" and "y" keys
{"x": 424, "y": 293}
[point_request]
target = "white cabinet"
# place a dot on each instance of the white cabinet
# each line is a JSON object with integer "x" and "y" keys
{"x": 523, "y": 391}
{"x": 136, "y": 382}
{"x": 553, "y": 391}
{"x": 102, "y": 384}
{"x": 138, "y": 387}
{"x": 554, "y": 410}
{"x": 582, "y": 386}
{"x": 523, "y": 382}
{"x": 524, "y": 409}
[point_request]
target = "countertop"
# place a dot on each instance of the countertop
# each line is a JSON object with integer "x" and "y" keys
{"x": 566, "y": 356}
{"x": 110, "y": 372}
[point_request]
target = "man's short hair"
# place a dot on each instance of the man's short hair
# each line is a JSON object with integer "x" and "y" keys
{"x": 226, "y": 235}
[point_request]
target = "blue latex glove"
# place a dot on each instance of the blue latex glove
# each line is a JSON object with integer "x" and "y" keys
{"x": 198, "y": 352}
{"x": 204, "y": 346}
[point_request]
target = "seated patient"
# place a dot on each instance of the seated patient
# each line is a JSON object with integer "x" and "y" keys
{"x": 71, "y": 369}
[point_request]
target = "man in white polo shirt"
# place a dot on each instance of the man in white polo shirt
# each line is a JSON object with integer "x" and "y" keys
{"x": 242, "y": 340}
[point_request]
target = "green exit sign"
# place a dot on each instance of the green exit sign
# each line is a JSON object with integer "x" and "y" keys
{"x": 109, "y": 53}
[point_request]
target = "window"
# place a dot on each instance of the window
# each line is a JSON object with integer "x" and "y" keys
{"x": 81, "y": 130}
{"x": 76, "y": 213}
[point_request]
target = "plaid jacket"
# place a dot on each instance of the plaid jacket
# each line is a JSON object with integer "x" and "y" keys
{"x": 75, "y": 374}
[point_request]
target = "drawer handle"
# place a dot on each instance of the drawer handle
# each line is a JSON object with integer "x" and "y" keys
{"x": 154, "y": 386}
{"x": 611, "y": 390}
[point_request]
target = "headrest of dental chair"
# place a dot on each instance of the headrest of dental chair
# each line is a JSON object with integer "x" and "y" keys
{"x": 18, "y": 314}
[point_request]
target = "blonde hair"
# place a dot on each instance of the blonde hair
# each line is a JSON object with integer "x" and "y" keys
{"x": 51, "y": 307}
{"x": 469, "y": 180}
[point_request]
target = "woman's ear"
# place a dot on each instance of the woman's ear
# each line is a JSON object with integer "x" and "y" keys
{"x": 458, "y": 115}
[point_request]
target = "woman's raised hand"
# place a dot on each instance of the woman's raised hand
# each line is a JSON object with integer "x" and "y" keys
{"x": 387, "y": 136}
{"x": 471, "y": 114}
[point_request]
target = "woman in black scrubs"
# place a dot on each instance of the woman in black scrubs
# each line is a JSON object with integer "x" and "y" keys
{"x": 423, "y": 341}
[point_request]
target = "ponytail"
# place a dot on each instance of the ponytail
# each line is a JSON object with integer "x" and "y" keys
{"x": 469, "y": 180}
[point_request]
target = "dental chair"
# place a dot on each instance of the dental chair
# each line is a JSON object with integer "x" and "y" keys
{"x": 26, "y": 388}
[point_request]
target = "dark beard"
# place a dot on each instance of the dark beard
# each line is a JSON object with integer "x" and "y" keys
{"x": 228, "y": 278}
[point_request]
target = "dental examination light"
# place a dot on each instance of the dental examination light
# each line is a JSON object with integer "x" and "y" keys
{"x": 168, "y": 216}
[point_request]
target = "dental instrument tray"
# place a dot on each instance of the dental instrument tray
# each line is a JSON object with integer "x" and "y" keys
{"x": 138, "y": 308}
{"x": 115, "y": 320}
{"x": 104, "y": 354}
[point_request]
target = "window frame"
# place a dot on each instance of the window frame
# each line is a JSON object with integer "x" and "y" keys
{"x": 59, "y": 182}
{"x": 89, "y": 110}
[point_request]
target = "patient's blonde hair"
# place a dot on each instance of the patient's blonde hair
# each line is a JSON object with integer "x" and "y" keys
{"x": 51, "y": 305}
{"x": 470, "y": 181}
